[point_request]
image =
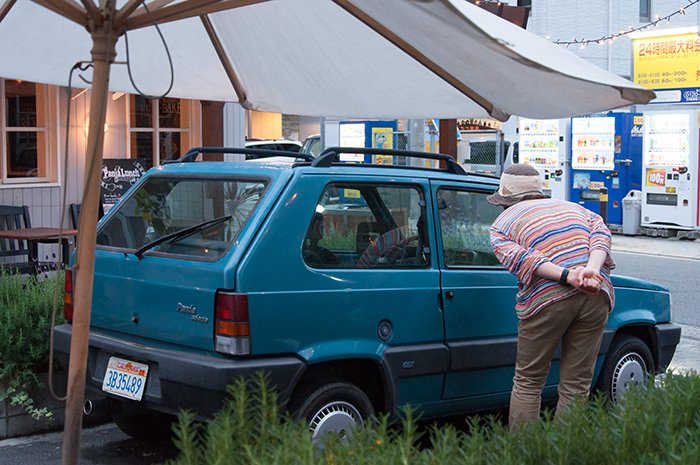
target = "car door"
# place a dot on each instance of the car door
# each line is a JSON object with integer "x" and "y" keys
{"x": 478, "y": 294}
{"x": 353, "y": 278}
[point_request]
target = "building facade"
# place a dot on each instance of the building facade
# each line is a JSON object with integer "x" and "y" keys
{"x": 590, "y": 20}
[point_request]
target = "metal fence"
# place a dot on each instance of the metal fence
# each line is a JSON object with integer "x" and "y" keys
{"x": 481, "y": 151}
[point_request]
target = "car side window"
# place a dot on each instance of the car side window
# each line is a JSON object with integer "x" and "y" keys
{"x": 465, "y": 220}
{"x": 366, "y": 225}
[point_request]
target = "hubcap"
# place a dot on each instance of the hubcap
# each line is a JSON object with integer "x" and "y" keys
{"x": 337, "y": 417}
{"x": 630, "y": 370}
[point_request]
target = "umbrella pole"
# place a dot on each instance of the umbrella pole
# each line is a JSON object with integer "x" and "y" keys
{"x": 103, "y": 54}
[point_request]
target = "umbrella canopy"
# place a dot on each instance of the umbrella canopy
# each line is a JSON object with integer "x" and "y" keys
{"x": 350, "y": 58}
{"x": 363, "y": 58}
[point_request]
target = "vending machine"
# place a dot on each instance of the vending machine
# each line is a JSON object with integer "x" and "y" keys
{"x": 542, "y": 145}
{"x": 606, "y": 152}
{"x": 376, "y": 134}
{"x": 670, "y": 189}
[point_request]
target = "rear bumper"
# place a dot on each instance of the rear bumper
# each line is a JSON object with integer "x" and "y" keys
{"x": 668, "y": 336}
{"x": 178, "y": 379}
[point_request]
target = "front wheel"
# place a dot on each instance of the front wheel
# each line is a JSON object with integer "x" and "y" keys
{"x": 336, "y": 407}
{"x": 629, "y": 363}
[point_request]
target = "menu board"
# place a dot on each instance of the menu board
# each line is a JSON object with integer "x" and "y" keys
{"x": 593, "y": 143}
{"x": 539, "y": 143}
{"x": 666, "y": 140}
{"x": 117, "y": 176}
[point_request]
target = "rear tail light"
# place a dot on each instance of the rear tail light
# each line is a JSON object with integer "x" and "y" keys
{"x": 232, "y": 326}
{"x": 68, "y": 296}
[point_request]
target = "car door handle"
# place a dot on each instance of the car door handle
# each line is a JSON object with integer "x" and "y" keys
{"x": 450, "y": 294}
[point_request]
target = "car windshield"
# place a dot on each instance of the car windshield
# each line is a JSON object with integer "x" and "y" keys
{"x": 163, "y": 207}
{"x": 312, "y": 146}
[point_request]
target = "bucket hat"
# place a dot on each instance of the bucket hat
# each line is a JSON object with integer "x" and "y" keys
{"x": 518, "y": 182}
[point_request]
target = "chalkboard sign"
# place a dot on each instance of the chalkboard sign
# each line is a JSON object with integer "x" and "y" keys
{"x": 118, "y": 175}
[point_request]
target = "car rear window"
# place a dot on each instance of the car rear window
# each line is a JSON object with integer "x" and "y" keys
{"x": 168, "y": 205}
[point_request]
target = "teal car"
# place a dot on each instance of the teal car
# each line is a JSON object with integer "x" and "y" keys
{"x": 357, "y": 288}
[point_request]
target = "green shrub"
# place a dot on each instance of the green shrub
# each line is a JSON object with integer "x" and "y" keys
{"x": 25, "y": 323}
{"x": 334, "y": 239}
{"x": 659, "y": 425}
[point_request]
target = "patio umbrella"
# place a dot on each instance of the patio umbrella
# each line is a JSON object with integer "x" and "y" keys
{"x": 350, "y": 58}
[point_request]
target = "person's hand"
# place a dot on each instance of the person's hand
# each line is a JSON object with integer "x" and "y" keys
{"x": 591, "y": 285}
{"x": 586, "y": 279}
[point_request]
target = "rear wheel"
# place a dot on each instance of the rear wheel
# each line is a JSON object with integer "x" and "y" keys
{"x": 147, "y": 426}
{"x": 336, "y": 407}
{"x": 629, "y": 362}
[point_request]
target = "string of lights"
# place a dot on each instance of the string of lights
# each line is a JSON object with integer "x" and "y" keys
{"x": 611, "y": 38}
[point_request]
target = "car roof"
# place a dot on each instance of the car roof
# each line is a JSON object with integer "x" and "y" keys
{"x": 276, "y": 169}
{"x": 252, "y": 143}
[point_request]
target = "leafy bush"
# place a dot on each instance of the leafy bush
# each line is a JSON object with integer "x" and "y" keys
{"x": 659, "y": 425}
{"x": 25, "y": 323}
{"x": 334, "y": 239}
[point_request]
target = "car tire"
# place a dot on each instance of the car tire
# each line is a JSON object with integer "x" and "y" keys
{"x": 335, "y": 407}
{"x": 629, "y": 360}
{"x": 149, "y": 426}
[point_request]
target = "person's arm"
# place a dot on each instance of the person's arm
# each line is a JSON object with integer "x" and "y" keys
{"x": 599, "y": 245}
{"x": 520, "y": 261}
{"x": 554, "y": 273}
{"x": 576, "y": 277}
{"x": 596, "y": 259}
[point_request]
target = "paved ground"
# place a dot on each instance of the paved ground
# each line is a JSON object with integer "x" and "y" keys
{"x": 669, "y": 247}
{"x": 687, "y": 355}
{"x": 688, "y": 351}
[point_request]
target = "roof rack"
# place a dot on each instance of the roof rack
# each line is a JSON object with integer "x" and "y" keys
{"x": 192, "y": 154}
{"x": 331, "y": 155}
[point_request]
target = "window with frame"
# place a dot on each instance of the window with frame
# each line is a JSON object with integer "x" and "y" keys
{"x": 159, "y": 129}
{"x": 199, "y": 217}
{"x": 645, "y": 10}
{"x": 362, "y": 225}
{"x": 25, "y": 151}
{"x": 465, "y": 220}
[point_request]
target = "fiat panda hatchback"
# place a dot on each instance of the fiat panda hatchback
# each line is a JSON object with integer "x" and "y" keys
{"x": 357, "y": 288}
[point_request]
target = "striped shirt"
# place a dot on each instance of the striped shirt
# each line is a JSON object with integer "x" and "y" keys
{"x": 533, "y": 232}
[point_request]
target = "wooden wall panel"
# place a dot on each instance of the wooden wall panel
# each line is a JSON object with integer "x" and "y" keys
{"x": 45, "y": 201}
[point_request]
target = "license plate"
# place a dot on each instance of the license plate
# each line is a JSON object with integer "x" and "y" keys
{"x": 125, "y": 378}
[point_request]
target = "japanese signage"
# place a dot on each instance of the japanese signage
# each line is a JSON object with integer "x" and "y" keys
{"x": 669, "y": 62}
{"x": 656, "y": 177}
{"x": 118, "y": 175}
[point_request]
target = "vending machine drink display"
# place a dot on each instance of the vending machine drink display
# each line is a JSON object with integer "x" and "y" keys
{"x": 606, "y": 154}
{"x": 542, "y": 146}
{"x": 670, "y": 188}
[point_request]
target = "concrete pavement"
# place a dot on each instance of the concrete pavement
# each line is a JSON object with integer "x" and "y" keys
{"x": 669, "y": 247}
{"x": 687, "y": 355}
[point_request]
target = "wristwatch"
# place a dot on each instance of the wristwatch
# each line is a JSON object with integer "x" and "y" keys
{"x": 564, "y": 276}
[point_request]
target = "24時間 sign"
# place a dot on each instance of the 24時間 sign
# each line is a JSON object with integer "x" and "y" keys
{"x": 669, "y": 64}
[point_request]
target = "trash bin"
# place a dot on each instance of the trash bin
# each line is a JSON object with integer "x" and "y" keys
{"x": 631, "y": 213}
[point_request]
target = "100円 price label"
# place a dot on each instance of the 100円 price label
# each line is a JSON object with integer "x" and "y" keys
{"x": 125, "y": 378}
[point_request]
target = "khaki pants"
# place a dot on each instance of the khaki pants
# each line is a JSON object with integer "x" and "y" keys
{"x": 578, "y": 322}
